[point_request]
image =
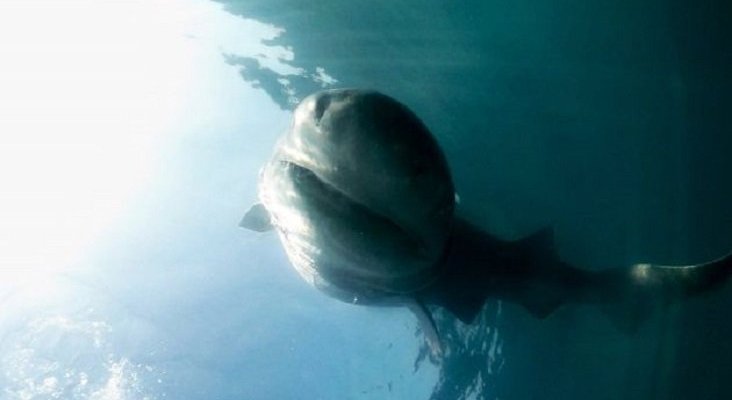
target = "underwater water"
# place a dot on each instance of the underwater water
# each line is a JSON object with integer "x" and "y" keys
{"x": 131, "y": 136}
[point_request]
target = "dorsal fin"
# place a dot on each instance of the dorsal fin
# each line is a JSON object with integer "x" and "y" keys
{"x": 257, "y": 219}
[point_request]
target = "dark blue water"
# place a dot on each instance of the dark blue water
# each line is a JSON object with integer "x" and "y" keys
{"x": 609, "y": 121}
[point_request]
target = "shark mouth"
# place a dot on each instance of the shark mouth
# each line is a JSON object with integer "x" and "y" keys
{"x": 330, "y": 200}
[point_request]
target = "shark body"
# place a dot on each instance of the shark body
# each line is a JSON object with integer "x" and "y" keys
{"x": 363, "y": 201}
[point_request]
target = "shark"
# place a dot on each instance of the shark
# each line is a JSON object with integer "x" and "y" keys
{"x": 362, "y": 198}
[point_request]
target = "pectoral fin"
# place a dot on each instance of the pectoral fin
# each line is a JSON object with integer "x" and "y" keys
{"x": 428, "y": 327}
{"x": 257, "y": 219}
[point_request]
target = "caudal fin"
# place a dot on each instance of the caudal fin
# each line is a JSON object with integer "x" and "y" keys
{"x": 644, "y": 288}
{"x": 677, "y": 282}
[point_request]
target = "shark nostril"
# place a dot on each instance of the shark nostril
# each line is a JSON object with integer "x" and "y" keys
{"x": 320, "y": 105}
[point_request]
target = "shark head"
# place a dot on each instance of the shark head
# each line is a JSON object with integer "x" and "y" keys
{"x": 361, "y": 196}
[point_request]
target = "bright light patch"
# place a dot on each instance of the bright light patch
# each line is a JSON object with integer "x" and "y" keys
{"x": 87, "y": 89}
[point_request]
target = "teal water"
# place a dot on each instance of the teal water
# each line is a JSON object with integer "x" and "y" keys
{"x": 608, "y": 121}
{"x": 132, "y": 160}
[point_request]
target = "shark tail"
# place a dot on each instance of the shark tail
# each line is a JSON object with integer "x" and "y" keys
{"x": 628, "y": 296}
{"x": 633, "y": 294}
{"x": 531, "y": 273}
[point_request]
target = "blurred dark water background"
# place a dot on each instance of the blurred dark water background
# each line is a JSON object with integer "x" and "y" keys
{"x": 609, "y": 120}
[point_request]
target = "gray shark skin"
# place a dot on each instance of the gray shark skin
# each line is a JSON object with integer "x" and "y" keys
{"x": 530, "y": 273}
{"x": 363, "y": 201}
